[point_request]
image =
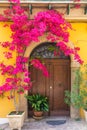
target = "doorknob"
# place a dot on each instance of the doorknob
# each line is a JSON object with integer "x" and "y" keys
{"x": 50, "y": 87}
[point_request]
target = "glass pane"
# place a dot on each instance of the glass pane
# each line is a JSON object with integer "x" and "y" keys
{"x": 43, "y": 51}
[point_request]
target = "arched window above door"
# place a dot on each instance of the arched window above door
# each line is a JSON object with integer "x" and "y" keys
{"x": 46, "y": 50}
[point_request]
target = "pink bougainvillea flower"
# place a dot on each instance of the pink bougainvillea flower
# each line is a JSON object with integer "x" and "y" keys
{"x": 21, "y": 92}
{"x": 2, "y": 18}
{"x": 14, "y": 1}
{"x": 8, "y": 55}
{"x": 7, "y": 12}
{"x": 1, "y": 92}
{"x": 7, "y": 69}
{"x": 24, "y": 32}
{"x": 77, "y": 6}
{"x": 77, "y": 0}
{"x": 45, "y": 72}
{"x": 2, "y": 66}
{"x": 77, "y": 48}
{"x": 10, "y": 97}
{"x": 26, "y": 73}
{"x": 12, "y": 47}
{"x": 37, "y": 64}
{"x": 25, "y": 59}
{"x": 27, "y": 80}
{"x": 6, "y": 25}
{"x": 27, "y": 87}
{"x": 5, "y": 44}
{"x": 9, "y": 79}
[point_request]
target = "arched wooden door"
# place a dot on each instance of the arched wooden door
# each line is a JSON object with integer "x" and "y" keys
{"x": 54, "y": 86}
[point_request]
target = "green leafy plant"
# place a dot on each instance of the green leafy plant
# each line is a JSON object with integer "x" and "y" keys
{"x": 38, "y": 102}
{"x": 78, "y": 96}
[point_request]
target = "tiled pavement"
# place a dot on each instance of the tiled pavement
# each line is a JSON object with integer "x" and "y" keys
{"x": 32, "y": 124}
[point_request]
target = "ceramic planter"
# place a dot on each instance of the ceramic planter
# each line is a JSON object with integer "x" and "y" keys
{"x": 85, "y": 113}
{"x": 16, "y": 121}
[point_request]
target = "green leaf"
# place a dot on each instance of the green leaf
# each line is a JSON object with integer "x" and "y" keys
{"x": 38, "y": 102}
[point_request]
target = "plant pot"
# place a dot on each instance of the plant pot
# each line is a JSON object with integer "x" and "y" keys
{"x": 16, "y": 120}
{"x": 85, "y": 113}
{"x": 38, "y": 113}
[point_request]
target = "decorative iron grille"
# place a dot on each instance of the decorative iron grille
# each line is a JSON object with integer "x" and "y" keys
{"x": 46, "y": 50}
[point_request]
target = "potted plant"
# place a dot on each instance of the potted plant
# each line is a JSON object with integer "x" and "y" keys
{"x": 78, "y": 96}
{"x": 39, "y": 103}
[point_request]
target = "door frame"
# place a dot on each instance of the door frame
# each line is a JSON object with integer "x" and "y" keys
{"x": 74, "y": 66}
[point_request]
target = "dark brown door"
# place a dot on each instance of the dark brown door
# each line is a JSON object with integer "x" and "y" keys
{"x": 54, "y": 86}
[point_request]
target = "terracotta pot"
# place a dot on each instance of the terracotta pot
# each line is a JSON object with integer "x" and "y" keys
{"x": 38, "y": 113}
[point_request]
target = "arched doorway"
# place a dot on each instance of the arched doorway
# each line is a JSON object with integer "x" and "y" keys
{"x": 74, "y": 66}
{"x": 58, "y": 81}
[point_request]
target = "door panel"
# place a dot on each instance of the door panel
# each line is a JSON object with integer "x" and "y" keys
{"x": 54, "y": 86}
{"x": 60, "y": 84}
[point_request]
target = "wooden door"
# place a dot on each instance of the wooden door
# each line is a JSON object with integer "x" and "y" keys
{"x": 54, "y": 86}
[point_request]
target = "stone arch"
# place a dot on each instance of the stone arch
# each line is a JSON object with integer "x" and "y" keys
{"x": 74, "y": 66}
{"x": 43, "y": 39}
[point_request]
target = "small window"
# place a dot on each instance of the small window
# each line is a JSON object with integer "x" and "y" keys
{"x": 45, "y": 51}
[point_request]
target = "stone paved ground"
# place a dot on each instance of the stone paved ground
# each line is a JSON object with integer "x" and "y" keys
{"x": 32, "y": 124}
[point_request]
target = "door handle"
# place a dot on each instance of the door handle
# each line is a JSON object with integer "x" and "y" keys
{"x": 50, "y": 87}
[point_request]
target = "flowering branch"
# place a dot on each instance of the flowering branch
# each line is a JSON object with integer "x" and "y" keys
{"x": 24, "y": 32}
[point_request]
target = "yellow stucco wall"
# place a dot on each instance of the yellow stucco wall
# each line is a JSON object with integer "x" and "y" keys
{"x": 5, "y": 105}
{"x": 78, "y": 37}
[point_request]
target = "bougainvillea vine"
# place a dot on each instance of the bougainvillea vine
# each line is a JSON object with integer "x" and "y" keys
{"x": 24, "y": 32}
